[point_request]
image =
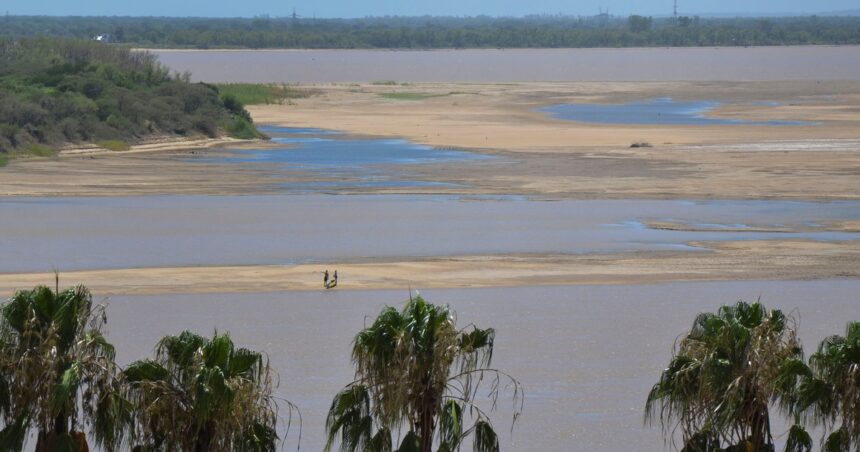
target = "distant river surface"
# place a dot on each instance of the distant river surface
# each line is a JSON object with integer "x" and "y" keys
{"x": 519, "y": 65}
{"x": 156, "y": 231}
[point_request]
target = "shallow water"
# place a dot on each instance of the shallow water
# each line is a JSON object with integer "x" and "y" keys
{"x": 587, "y": 355}
{"x": 663, "y": 111}
{"x": 518, "y": 65}
{"x": 337, "y": 161}
{"x": 40, "y": 234}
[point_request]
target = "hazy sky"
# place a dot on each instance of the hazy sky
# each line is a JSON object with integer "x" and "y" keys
{"x": 362, "y": 8}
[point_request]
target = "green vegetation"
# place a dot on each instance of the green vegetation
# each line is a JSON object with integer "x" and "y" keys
{"x": 114, "y": 145}
{"x": 256, "y": 93}
{"x": 54, "y": 92}
{"x": 415, "y": 371}
{"x": 829, "y": 391}
{"x": 58, "y": 376}
{"x": 40, "y": 150}
{"x": 57, "y": 372}
{"x": 410, "y": 96}
{"x": 417, "y": 376}
{"x": 731, "y": 365}
{"x": 443, "y": 32}
{"x": 718, "y": 385}
{"x": 201, "y": 394}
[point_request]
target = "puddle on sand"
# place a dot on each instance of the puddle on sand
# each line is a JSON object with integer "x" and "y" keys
{"x": 662, "y": 111}
{"x": 339, "y": 161}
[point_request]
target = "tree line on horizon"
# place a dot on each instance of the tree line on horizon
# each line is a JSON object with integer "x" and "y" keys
{"x": 442, "y": 32}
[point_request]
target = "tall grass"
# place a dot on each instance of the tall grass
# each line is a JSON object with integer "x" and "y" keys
{"x": 114, "y": 145}
{"x": 257, "y": 93}
{"x": 40, "y": 150}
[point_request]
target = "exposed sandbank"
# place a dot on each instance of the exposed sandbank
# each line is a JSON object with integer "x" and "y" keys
{"x": 740, "y": 260}
{"x": 542, "y": 157}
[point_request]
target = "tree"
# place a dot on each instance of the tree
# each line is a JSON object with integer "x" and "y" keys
{"x": 57, "y": 372}
{"x": 722, "y": 376}
{"x": 201, "y": 394}
{"x": 830, "y": 394}
{"x": 639, "y": 24}
{"x": 415, "y": 371}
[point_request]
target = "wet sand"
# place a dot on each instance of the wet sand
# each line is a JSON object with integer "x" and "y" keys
{"x": 541, "y": 156}
{"x": 587, "y": 355}
{"x": 567, "y": 159}
{"x": 732, "y": 261}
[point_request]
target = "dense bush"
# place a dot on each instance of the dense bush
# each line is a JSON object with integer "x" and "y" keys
{"x": 59, "y": 91}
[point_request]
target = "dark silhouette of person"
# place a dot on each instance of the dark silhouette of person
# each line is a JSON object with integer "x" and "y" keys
{"x": 325, "y": 279}
{"x": 335, "y": 278}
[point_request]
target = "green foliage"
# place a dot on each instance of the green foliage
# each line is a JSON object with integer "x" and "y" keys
{"x": 114, "y": 145}
{"x": 830, "y": 394}
{"x": 798, "y": 440}
{"x": 258, "y": 93}
{"x": 59, "y": 91}
{"x": 201, "y": 394}
{"x": 416, "y": 371}
{"x": 56, "y": 367}
{"x": 549, "y": 31}
{"x": 722, "y": 376}
{"x": 243, "y": 129}
{"x": 40, "y": 150}
{"x": 639, "y": 24}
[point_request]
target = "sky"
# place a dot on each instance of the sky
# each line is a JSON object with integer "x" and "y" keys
{"x": 363, "y": 8}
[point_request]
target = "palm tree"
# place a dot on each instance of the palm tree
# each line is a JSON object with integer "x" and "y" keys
{"x": 830, "y": 393}
{"x": 416, "y": 372}
{"x": 201, "y": 395}
{"x": 57, "y": 372}
{"x": 723, "y": 375}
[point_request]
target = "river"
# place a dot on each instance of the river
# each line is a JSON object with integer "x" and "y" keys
{"x": 518, "y": 65}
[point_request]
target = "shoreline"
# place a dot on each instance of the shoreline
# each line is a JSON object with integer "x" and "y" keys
{"x": 156, "y": 145}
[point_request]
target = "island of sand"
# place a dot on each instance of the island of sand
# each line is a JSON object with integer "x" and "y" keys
{"x": 542, "y": 158}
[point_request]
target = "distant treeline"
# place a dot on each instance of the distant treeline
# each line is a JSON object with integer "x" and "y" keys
{"x": 58, "y": 91}
{"x": 442, "y": 32}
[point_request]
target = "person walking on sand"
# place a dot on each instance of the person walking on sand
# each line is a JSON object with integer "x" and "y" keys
{"x": 334, "y": 280}
{"x": 325, "y": 279}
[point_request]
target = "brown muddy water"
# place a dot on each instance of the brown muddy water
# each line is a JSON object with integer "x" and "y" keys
{"x": 75, "y": 233}
{"x": 587, "y": 355}
{"x": 518, "y": 65}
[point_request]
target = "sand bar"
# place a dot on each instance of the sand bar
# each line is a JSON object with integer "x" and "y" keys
{"x": 541, "y": 156}
{"x": 741, "y": 260}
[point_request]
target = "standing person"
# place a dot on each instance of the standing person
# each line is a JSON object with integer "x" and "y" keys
{"x": 325, "y": 279}
{"x": 335, "y": 278}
